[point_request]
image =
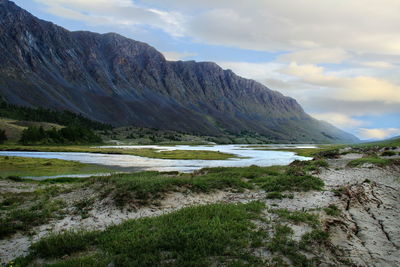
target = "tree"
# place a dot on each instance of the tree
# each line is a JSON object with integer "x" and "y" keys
{"x": 3, "y": 136}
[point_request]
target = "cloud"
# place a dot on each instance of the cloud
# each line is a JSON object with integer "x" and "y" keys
{"x": 378, "y": 133}
{"x": 313, "y": 56}
{"x": 351, "y": 108}
{"x": 257, "y": 71}
{"x": 292, "y": 24}
{"x": 377, "y": 64}
{"x": 286, "y": 25}
{"x": 174, "y": 56}
{"x": 338, "y": 119}
{"x": 120, "y": 13}
{"x": 359, "y": 88}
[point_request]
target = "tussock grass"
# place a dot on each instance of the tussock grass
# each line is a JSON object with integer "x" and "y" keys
{"x": 332, "y": 210}
{"x": 143, "y": 187}
{"x": 291, "y": 183}
{"x": 371, "y": 160}
{"x": 297, "y": 217}
{"x": 24, "y": 211}
{"x": 388, "y": 154}
{"x": 220, "y": 234}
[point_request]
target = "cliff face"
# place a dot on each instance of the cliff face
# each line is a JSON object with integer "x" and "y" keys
{"x": 113, "y": 79}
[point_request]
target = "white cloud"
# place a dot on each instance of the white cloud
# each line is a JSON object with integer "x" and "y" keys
{"x": 359, "y": 88}
{"x": 257, "y": 71}
{"x": 355, "y": 25}
{"x": 174, "y": 56}
{"x": 378, "y": 133}
{"x": 120, "y": 13}
{"x": 339, "y": 120}
{"x": 377, "y": 64}
{"x": 313, "y": 56}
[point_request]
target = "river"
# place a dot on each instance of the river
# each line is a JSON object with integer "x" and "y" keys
{"x": 247, "y": 156}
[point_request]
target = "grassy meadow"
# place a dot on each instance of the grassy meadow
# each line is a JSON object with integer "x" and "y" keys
{"x": 23, "y": 166}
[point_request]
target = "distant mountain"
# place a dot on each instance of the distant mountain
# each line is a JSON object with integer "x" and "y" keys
{"x": 116, "y": 80}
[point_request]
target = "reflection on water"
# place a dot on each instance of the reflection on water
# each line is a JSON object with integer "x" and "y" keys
{"x": 251, "y": 156}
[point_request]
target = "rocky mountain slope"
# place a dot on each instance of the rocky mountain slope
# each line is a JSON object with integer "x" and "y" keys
{"x": 116, "y": 80}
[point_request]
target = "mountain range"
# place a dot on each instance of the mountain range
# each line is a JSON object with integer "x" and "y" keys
{"x": 117, "y": 80}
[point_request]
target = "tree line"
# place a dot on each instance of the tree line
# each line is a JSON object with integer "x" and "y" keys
{"x": 68, "y": 135}
{"x": 65, "y": 117}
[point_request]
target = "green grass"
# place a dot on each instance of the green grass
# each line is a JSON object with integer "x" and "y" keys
{"x": 371, "y": 160}
{"x": 21, "y": 166}
{"x": 181, "y": 154}
{"x": 275, "y": 195}
{"x": 388, "y": 154}
{"x": 315, "y": 237}
{"x": 136, "y": 189}
{"x": 291, "y": 183}
{"x": 143, "y": 187}
{"x": 22, "y": 211}
{"x": 219, "y": 234}
{"x": 385, "y": 143}
{"x": 305, "y": 152}
{"x": 332, "y": 210}
{"x": 297, "y": 217}
{"x": 142, "y": 152}
{"x": 300, "y": 168}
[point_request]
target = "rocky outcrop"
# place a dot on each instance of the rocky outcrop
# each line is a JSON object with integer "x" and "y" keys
{"x": 116, "y": 80}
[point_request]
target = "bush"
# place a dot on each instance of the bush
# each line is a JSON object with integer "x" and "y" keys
{"x": 3, "y": 136}
{"x": 388, "y": 153}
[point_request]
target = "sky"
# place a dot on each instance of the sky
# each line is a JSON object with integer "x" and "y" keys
{"x": 340, "y": 59}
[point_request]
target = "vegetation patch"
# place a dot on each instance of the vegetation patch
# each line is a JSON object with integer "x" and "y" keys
{"x": 220, "y": 234}
{"x": 323, "y": 151}
{"x": 301, "y": 168}
{"x": 297, "y": 217}
{"x": 181, "y": 154}
{"x": 369, "y": 160}
{"x": 332, "y": 210}
{"x": 142, "y": 187}
{"x": 388, "y": 153}
{"x": 26, "y": 210}
{"x": 272, "y": 179}
{"x": 22, "y": 166}
{"x": 291, "y": 183}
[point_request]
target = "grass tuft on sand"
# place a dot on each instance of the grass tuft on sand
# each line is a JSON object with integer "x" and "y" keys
{"x": 194, "y": 236}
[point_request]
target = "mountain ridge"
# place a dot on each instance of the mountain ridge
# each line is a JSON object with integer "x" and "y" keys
{"x": 117, "y": 80}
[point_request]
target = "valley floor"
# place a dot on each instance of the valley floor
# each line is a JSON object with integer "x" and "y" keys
{"x": 352, "y": 221}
